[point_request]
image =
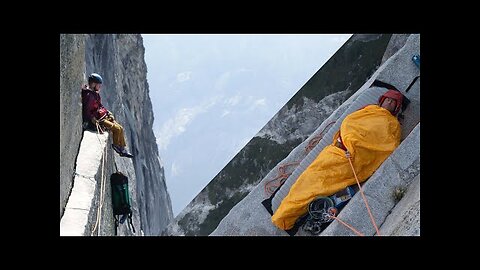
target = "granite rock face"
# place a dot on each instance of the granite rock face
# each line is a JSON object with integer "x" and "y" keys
{"x": 329, "y": 87}
{"x": 72, "y": 74}
{"x": 400, "y": 171}
{"x": 119, "y": 59}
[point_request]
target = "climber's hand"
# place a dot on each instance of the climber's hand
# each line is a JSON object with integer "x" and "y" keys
{"x": 110, "y": 114}
{"x": 94, "y": 121}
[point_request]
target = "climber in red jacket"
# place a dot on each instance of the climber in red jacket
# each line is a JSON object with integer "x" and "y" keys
{"x": 99, "y": 116}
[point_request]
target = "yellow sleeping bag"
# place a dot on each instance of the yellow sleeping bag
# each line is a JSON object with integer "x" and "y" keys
{"x": 370, "y": 134}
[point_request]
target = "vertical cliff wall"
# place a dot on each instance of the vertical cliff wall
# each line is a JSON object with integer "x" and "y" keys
{"x": 72, "y": 72}
{"x": 119, "y": 59}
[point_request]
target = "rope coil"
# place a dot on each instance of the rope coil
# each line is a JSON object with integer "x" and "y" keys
{"x": 102, "y": 186}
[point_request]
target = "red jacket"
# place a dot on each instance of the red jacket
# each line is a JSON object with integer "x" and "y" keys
{"x": 92, "y": 105}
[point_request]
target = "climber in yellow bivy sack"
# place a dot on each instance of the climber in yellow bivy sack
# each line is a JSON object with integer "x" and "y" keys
{"x": 369, "y": 134}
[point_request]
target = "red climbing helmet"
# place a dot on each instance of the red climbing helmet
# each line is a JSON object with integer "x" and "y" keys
{"x": 394, "y": 94}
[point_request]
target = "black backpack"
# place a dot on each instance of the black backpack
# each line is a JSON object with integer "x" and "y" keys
{"x": 120, "y": 199}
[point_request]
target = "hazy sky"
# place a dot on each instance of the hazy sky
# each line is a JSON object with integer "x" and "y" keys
{"x": 212, "y": 93}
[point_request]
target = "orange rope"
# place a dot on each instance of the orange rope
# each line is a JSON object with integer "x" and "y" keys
{"x": 361, "y": 192}
{"x": 314, "y": 141}
{"x": 270, "y": 186}
{"x": 346, "y": 225}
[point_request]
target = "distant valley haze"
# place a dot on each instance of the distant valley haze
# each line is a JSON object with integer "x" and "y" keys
{"x": 212, "y": 93}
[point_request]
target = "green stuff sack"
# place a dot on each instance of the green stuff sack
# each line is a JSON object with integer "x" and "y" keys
{"x": 121, "y": 199}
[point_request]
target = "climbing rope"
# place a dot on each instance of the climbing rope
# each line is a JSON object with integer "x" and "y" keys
{"x": 322, "y": 215}
{"x": 349, "y": 157}
{"x": 329, "y": 215}
{"x": 314, "y": 141}
{"x": 346, "y": 225}
{"x": 322, "y": 210}
{"x": 273, "y": 184}
{"x": 102, "y": 186}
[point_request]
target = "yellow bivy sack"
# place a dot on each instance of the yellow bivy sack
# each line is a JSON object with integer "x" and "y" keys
{"x": 370, "y": 134}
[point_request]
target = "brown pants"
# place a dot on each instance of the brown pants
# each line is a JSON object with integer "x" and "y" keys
{"x": 116, "y": 129}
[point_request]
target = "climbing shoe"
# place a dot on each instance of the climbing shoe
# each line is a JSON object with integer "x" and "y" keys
{"x": 121, "y": 151}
